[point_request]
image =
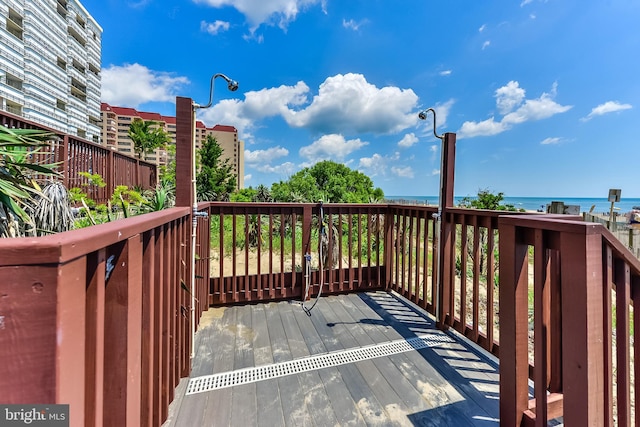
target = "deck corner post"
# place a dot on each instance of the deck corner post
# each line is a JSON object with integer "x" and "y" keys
{"x": 184, "y": 151}
{"x": 513, "y": 297}
{"x": 446, "y": 258}
{"x": 582, "y": 328}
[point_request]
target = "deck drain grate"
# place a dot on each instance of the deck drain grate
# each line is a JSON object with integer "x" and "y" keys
{"x": 312, "y": 363}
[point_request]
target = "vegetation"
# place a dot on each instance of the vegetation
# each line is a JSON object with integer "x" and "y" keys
{"x": 147, "y": 136}
{"x": 327, "y": 181}
{"x": 215, "y": 181}
{"x": 18, "y": 173}
{"x": 487, "y": 200}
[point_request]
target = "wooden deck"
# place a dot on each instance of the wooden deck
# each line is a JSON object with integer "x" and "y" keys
{"x": 446, "y": 383}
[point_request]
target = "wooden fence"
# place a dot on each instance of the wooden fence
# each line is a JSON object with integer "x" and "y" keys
{"x": 76, "y": 155}
{"x": 261, "y": 251}
{"x": 98, "y": 318}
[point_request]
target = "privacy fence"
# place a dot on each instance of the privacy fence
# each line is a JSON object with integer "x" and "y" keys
{"x": 75, "y": 155}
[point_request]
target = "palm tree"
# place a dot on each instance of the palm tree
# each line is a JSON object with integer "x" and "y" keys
{"x": 147, "y": 136}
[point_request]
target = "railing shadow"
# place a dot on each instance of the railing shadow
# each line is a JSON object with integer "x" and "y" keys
{"x": 473, "y": 374}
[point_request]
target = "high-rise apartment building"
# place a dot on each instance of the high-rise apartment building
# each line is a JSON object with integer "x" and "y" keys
{"x": 115, "y": 133}
{"x": 50, "y": 55}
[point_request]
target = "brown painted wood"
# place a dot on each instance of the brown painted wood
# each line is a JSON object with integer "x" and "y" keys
{"x": 542, "y": 347}
{"x": 27, "y": 340}
{"x": 581, "y": 269}
{"x": 622, "y": 279}
{"x": 148, "y": 325}
{"x": 94, "y": 338}
{"x": 514, "y": 364}
{"x": 184, "y": 151}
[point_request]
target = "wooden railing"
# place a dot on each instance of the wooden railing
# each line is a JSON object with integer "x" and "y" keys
{"x": 113, "y": 299}
{"x": 261, "y": 251}
{"x": 76, "y": 155}
{"x": 98, "y": 318}
{"x": 583, "y": 283}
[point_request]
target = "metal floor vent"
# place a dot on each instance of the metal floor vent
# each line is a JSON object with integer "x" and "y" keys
{"x": 312, "y": 363}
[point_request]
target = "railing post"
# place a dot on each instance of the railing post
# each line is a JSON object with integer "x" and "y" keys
{"x": 389, "y": 220}
{"x": 514, "y": 362}
{"x": 582, "y": 328}
{"x": 123, "y": 333}
{"x": 110, "y": 176}
{"x": 63, "y": 158}
{"x": 307, "y": 214}
{"x": 446, "y": 259}
{"x": 184, "y": 151}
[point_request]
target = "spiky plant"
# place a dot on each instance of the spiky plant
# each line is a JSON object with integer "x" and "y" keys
{"x": 161, "y": 197}
{"x": 18, "y": 172}
{"x": 52, "y": 212}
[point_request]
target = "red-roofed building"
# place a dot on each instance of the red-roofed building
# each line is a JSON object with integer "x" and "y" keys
{"x": 115, "y": 134}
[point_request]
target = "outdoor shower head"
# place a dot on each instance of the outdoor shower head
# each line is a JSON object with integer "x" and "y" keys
{"x": 422, "y": 115}
{"x": 232, "y": 85}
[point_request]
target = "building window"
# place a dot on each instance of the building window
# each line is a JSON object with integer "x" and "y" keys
{"x": 14, "y": 23}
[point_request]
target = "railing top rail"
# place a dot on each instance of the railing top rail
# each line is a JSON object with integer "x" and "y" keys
{"x": 564, "y": 223}
{"x": 63, "y": 247}
{"x": 493, "y": 213}
{"x": 620, "y": 251}
{"x": 575, "y": 224}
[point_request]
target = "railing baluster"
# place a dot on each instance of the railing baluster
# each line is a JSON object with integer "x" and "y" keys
{"x": 622, "y": 280}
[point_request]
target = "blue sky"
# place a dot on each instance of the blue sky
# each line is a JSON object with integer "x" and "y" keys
{"x": 542, "y": 94}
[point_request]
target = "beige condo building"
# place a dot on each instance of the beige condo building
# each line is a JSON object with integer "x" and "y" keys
{"x": 115, "y": 134}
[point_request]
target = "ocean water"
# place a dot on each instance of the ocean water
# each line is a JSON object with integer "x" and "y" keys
{"x": 602, "y": 205}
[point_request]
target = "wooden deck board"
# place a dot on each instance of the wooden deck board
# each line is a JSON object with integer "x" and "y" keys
{"x": 291, "y": 400}
{"x": 447, "y": 384}
{"x": 244, "y": 398}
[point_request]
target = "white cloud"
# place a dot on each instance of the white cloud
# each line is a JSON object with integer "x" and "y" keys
{"x": 257, "y": 12}
{"x": 331, "y": 147}
{"x": 434, "y": 148}
{"x": 507, "y": 98}
{"x": 256, "y": 106}
{"x": 445, "y": 73}
{"x": 551, "y": 140}
{"x": 247, "y": 177}
{"x": 374, "y": 165}
{"x": 214, "y": 27}
{"x": 408, "y": 140}
{"x": 344, "y": 104}
{"x": 525, "y": 2}
{"x": 482, "y": 28}
{"x": 348, "y": 103}
{"x": 606, "y": 108}
{"x": 284, "y": 169}
{"x": 353, "y": 25}
{"x": 265, "y": 156}
{"x": 133, "y": 84}
{"x": 403, "y": 172}
{"x": 435, "y": 172}
{"x": 486, "y": 44}
{"x": 485, "y": 128}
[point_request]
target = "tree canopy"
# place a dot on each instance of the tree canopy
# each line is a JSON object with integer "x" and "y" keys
{"x": 215, "y": 180}
{"x": 486, "y": 200}
{"x": 146, "y": 136}
{"x": 327, "y": 181}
